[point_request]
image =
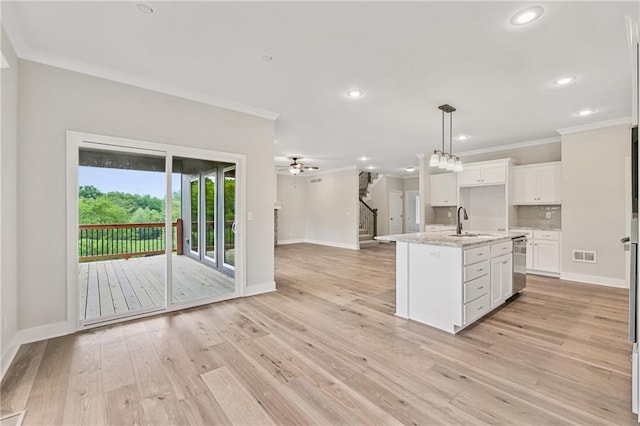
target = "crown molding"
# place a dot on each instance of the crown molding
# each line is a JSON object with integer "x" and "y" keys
{"x": 525, "y": 144}
{"x": 24, "y": 51}
{"x": 594, "y": 126}
{"x": 315, "y": 173}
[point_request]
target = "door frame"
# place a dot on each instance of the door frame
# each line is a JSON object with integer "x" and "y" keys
{"x": 396, "y": 191}
{"x": 77, "y": 140}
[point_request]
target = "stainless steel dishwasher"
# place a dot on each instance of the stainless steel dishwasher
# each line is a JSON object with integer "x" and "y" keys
{"x": 519, "y": 264}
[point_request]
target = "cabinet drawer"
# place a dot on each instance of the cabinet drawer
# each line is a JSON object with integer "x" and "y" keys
{"x": 476, "y": 288}
{"x": 477, "y": 308}
{"x": 501, "y": 248}
{"x": 475, "y": 271}
{"x": 546, "y": 235}
{"x": 476, "y": 255}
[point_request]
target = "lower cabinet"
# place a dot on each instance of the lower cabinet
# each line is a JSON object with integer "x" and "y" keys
{"x": 543, "y": 251}
{"x": 546, "y": 255}
{"x": 501, "y": 279}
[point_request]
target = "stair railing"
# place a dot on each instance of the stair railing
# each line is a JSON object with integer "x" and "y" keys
{"x": 368, "y": 218}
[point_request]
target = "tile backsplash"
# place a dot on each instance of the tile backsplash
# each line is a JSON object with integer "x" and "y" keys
{"x": 536, "y": 216}
{"x": 441, "y": 215}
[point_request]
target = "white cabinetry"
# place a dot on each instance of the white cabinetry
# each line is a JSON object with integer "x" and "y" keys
{"x": 543, "y": 251}
{"x": 501, "y": 279}
{"x": 483, "y": 174}
{"x": 546, "y": 251}
{"x": 444, "y": 190}
{"x": 538, "y": 184}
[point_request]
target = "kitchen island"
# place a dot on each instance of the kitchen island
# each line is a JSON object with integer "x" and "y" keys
{"x": 449, "y": 281}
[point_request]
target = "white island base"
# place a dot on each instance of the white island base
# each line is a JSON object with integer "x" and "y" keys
{"x": 450, "y": 285}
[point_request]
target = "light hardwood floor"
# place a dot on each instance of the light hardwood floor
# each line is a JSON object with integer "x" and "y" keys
{"x": 326, "y": 349}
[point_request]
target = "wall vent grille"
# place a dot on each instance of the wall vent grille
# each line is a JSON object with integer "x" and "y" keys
{"x": 318, "y": 180}
{"x": 588, "y": 256}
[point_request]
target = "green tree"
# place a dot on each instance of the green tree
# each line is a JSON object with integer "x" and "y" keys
{"x": 101, "y": 210}
{"x": 89, "y": 191}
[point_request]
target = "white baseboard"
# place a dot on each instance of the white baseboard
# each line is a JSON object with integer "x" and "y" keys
{"x": 284, "y": 242}
{"x": 260, "y": 288}
{"x": 33, "y": 334}
{"x": 333, "y": 244}
{"x": 594, "y": 279}
{"x": 320, "y": 243}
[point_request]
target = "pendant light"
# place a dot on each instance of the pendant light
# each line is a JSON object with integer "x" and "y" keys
{"x": 441, "y": 158}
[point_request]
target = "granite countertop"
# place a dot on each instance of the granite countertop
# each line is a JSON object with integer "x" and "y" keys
{"x": 535, "y": 228}
{"x": 446, "y": 238}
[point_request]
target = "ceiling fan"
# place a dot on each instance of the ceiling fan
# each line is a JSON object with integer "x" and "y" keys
{"x": 296, "y": 168}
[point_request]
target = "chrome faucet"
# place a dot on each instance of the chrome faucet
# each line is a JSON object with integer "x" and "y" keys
{"x": 459, "y": 223}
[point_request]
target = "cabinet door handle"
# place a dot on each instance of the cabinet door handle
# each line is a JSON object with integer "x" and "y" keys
{"x": 504, "y": 263}
{"x": 480, "y": 254}
{"x": 480, "y": 308}
{"x": 481, "y": 269}
{"x": 480, "y": 287}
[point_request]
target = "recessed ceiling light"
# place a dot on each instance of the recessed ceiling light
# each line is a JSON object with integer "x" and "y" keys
{"x": 355, "y": 93}
{"x": 364, "y": 158}
{"x": 410, "y": 169}
{"x": 585, "y": 112}
{"x": 144, "y": 8}
{"x": 527, "y": 15}
{"x": 371, "y": 167}
{"x": 462, "y": 137}
{"x": 565, "y": 80}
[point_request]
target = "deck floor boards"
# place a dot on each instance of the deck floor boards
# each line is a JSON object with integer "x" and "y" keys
{"x": 126, "y": 286}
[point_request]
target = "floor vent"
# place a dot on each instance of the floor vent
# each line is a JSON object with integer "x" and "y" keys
{"x": 318, "y": 180}
{"x": 587, "y": 256}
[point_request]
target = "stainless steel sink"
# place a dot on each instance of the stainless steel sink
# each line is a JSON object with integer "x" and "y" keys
{"x": 469, "y": 234}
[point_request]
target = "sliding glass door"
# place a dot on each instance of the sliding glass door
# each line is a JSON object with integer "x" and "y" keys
{"x": 149, "y": 240}
{"x": 121, "y": 233}
{"x": 209, "y": 201}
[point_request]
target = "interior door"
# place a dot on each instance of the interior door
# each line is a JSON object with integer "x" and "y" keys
{"x": 395, "y": 212}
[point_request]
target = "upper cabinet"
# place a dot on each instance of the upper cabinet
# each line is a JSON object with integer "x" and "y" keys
{"x": 483, "y": 174}
{"x": 444, "y": 191}
{"x": 537, "y": 184}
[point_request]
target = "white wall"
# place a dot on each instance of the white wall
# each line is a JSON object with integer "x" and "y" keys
{"x": 52, "y": 101}
{"x": 325, "y": 212}
{"x": 380, "y": 200}
{"x": 411, "y": 184}
{"x": 292, "y": 217}
{"x": 8, "y": 202}
{"x": 593, "y": 202}
{"x": 332, "y": 209}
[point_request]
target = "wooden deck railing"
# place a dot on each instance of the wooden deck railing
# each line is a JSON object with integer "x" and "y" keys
{"x": 125, "y": 240}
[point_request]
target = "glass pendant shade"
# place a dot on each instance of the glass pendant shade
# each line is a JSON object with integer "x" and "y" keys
{"x": 458, "y": 167}
{"x": 294, "y": 170}
{"x": 444, "y": 161}
{"x": 434, "y": 160}
{"x": 451, "y": 164}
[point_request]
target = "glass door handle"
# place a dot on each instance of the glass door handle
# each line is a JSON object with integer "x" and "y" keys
{"x": 234, "y": 227}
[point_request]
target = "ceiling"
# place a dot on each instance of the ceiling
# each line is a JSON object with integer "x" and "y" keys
{"x": 408, "y": 58}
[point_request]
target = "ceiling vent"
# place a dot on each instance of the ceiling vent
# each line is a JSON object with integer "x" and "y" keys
{"x": 587, "y": 256}
{"x": 318, "y": 180}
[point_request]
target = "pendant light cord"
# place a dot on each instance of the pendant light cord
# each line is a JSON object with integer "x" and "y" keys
{"x": 451, "y": 133}
{"x": 442, "y": 132}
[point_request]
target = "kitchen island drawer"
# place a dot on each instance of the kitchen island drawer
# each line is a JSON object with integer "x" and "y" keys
{"x": 546, "y": 235}
{"x": 476, "y": 255}
{"x": 472, "y": 272}
{"x": 476, "y": 288}
{"x": 477, "y": 308}
{"x": 501, "y": 248}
